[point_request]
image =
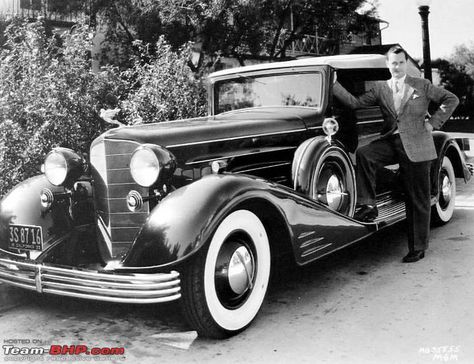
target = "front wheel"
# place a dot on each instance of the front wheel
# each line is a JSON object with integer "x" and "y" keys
{"x": 443, "y": 210}
{"x": 224, "y": 286}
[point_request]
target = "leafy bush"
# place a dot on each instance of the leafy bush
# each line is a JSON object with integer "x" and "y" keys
{"x": 165, "y": 88}
{"x": 50, "y": 97}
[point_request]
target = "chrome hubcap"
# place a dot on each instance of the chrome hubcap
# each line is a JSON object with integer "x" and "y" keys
{"x": 241, "y": 269}
{"x": 235, "y": 270}
{"x": 332, "y": 185}
{"x": 334, "y": 191}
{"x": 446, "y": 189}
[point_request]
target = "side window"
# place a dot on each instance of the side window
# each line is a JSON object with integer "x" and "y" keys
{"x": 357, "y": 81}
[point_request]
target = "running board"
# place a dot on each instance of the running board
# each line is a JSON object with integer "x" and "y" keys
{"x": 391, "y": 210}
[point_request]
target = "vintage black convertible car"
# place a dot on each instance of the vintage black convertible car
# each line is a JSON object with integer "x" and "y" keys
{"x": 198, "y": 209}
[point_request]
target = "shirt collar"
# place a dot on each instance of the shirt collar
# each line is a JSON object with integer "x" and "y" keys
{"x": 400, "y": 81}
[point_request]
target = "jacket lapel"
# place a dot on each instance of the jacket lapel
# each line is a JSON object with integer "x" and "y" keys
{"x": 409, "y": 90}
{"x": 387, "y": 94}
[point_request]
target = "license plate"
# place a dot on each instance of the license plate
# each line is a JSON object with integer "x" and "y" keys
{"x": 25, "y": 237}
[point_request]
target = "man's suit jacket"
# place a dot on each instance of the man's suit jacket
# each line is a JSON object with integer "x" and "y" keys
{"x": 410, "y": 120}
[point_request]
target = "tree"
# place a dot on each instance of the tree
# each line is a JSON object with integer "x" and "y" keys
{"x": 228, "y": 27}
{"x": 461, "y": 76}
{"x": 236, "y": 28}
{"x": 454, "y": 78}
{"x": 463, "y": 58}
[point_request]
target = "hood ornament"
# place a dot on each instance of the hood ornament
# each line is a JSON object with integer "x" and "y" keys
{"x": 109, "y": 115}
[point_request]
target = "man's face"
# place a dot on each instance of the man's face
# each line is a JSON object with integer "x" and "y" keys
{"x": 397, "y": 64}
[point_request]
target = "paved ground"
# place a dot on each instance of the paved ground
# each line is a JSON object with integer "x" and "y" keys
{"x": 361, "y": 305}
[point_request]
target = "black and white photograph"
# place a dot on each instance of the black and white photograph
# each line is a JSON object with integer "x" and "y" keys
{"x": 237, "y": 181}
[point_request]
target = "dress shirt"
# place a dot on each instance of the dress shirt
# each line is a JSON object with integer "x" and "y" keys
{"x": 398, "y": 89}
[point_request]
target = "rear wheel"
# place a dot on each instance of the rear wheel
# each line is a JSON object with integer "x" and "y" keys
{"x": 443, "y": 210}
{"x": 224, "y": 287}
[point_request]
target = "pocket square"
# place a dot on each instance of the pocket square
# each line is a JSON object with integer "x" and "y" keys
{"x": 415, "y": 96}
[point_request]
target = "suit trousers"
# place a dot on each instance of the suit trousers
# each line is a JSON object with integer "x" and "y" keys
{"x": 416, "y": 183}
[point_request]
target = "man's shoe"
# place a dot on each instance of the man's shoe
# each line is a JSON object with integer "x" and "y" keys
{"x": 414, "y": 256}
{"x": 366, "y": 213}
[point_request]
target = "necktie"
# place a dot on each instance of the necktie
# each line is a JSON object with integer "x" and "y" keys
{"x": 397, "y": 95}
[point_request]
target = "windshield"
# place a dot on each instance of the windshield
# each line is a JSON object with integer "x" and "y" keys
{"x": 289, "y": 89}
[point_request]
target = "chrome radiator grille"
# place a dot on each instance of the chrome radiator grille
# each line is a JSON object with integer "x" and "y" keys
{"x": 110, "y": 160}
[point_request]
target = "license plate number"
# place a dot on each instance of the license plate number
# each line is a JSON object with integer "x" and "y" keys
{"x": 25, "y": 237}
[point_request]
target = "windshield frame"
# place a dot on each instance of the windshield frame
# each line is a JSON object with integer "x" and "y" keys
{"x": 265, "y": 73}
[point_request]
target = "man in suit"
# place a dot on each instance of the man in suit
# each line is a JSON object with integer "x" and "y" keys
{"x": 405, "y": 139}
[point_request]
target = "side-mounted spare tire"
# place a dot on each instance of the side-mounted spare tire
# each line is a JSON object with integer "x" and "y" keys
{"x": 324, "y": 172}
{"x": 225, "y": 284}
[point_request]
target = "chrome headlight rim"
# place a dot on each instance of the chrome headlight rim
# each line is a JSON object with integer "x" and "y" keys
{"x": 145, "y": 166}
{"x": 62, "y": 166}
{"x": 56, "y": 167}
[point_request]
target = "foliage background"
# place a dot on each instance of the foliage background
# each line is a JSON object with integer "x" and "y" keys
{"x": 234, "y": 28}
{"x": 50, "y": 97}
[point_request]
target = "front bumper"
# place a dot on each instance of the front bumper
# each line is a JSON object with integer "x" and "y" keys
{"x": 89, "y": 284}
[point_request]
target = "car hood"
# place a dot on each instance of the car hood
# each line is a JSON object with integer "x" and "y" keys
{"x": 247, "y": 122}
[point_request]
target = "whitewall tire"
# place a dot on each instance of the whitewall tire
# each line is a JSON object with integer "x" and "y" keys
{"x": 443, "y": 210}
{"x": 225, "y": 286}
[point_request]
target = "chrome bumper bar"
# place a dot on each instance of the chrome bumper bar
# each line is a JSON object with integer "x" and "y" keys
{"x": 89, "y": 284}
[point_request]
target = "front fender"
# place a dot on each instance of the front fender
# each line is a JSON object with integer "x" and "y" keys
{"x": 185, "y": 219}
{"x": 22, "y": 206}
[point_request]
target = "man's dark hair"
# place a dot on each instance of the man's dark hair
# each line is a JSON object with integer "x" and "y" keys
{"x": 397, "y": 50}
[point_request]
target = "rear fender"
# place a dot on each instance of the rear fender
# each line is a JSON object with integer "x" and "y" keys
{"x": 447, "y": 146}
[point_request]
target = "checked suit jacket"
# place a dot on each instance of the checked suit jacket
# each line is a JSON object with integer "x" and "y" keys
{"x": 410, "y": 119}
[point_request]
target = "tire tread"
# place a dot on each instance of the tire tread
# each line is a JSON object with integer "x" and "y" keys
{"x": 197, "y": 315}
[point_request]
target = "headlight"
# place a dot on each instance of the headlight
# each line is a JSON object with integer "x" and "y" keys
{"x": 151, "y": 163}
{"x": 145, "y": 167}
{"x": 62, "y": 166}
